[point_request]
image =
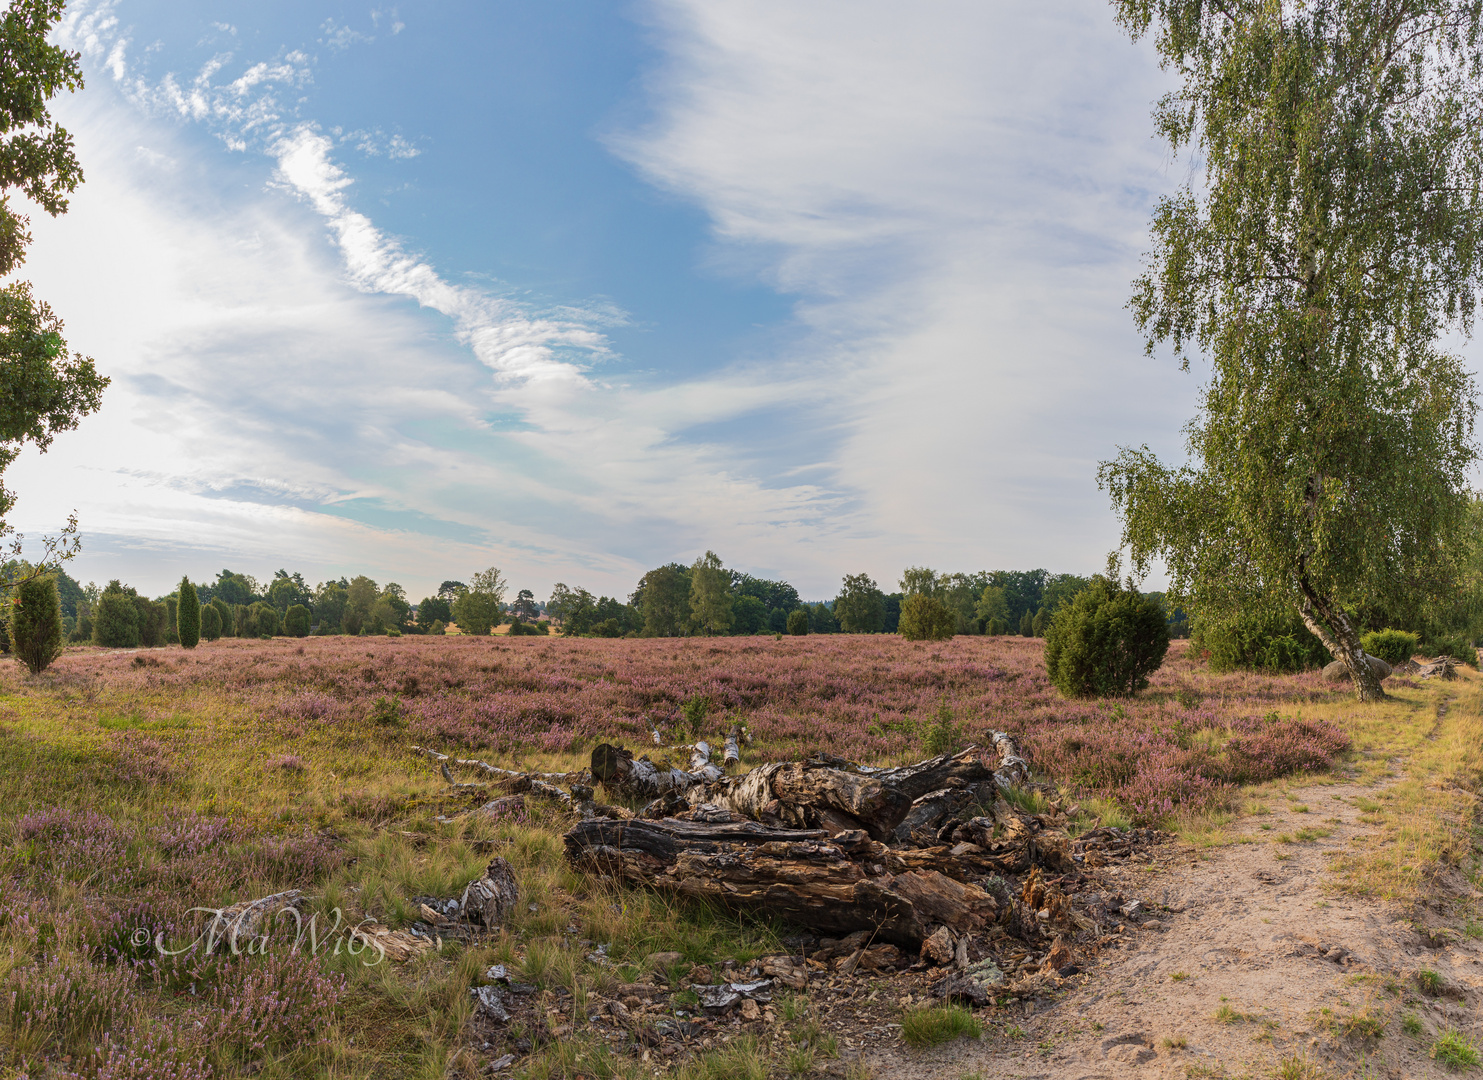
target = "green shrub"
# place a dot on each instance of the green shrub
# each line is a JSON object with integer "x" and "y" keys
{"x": 694, "y": 711}
{"x": 227, "y": 621}
{"x": 1106, "y": 642}
{"x": 606, "y": 628}
{"x": 1258, "y": 642}
{"x": 188, "y": 619}
{"x": 387, "y": 711}
{"x": 522, "y": 629}
{"x": 437, "y": 627}
{"x": 996, "y": 627}
{"x": 1393, "y": 646}
{"x": 543, "y": 627}
{"x": 154, "y": 621}
{"x": 945, "y": 735}
{"x": 36, "y": 623}
{"x": 1041, "y": 623}
{"x": 1027, "y": 625}
{"x": 264, "y": 619}
{"x": 116, "y": 618}
{"x": 296, "y": 621}
{"x": 925, "y": 618}
{"x": 210, "y": 623}
{"x": 83, "y": 631}
{"x": 242, "y": 623}
{"x": 798, "y": 622}
{"x": 1458, "y": 647}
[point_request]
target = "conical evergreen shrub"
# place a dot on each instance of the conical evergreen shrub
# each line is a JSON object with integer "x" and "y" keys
{"x": 210, "y": 622}
{"x": 188, "y": 621}
{"x": 36, "y": 623}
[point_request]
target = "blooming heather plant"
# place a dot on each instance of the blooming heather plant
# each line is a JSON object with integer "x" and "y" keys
{"x": 150, "y": 1053}
{"x": 274, "y": 1000}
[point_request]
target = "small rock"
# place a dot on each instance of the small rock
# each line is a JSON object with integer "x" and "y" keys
{"x": 491, "y": 1003}
{"x": 502, "y": 1063}
{"x": 1068, "y": 971}
{"x": 1151, "y": 924}
{"x": 619, "y": 1012}
{"x": 750, "y": 1010}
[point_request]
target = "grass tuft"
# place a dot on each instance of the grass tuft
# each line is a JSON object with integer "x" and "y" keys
{"x": 932, "y": 1026}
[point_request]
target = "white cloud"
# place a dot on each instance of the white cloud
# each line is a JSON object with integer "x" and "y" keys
{"x": 956, "y": 192}
{"x": 340, "y": 38}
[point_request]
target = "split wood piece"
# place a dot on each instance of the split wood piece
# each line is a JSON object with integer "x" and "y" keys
{"x": 1013, "y": 770}
{"x": 398, "y": 946}
{"x": 618, "y": 770}
{"x": 732, "y": 754}
{"x": 1445, "y": 666}
{"x": 792, "y": 874}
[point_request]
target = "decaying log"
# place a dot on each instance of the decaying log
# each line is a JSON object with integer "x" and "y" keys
{"x": 732, "y": 754}
{"x": 794, "y": 874}
{"x": 1445, "y": 666}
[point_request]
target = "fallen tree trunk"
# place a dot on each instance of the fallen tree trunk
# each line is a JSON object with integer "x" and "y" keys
{"x": 796, "y": 874}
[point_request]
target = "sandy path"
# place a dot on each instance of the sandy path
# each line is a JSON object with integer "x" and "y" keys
{"x": 1247, "y": 928}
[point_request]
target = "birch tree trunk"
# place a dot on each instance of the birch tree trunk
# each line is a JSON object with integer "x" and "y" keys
{"x": 1343, "y": 642}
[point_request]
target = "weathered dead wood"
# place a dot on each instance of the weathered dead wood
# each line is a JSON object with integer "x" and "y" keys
{"x": 639, "y": 778}
{"x": 1445, "y": 666}
{"x": 794, "y": 874}
{"x": 493, "y": 896}
{"x": 494, "y": 770}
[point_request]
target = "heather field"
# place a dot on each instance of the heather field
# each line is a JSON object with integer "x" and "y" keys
{"x": 1183, "y": 743}
{"x": 135, "y": 785}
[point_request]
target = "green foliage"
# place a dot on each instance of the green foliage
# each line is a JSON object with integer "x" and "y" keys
{"x": 1027, "y": 625}
{"x": 694, "y": 710}
{"x": 525, "y": 629}
{"x": 748, "y": 614}
{"x": 210, "y": 622}
{"x": 798, "y": 622}
{"x": 1331, "y": 242}
{"x": 225, "y": 620}
{"x": 1040, "y": 623}
{"x": 386, "y": 711}
{"x": 1106, "y": 642}
{"x": 992, "y": 608}
{"x": 44, "y": 389}
{"x": 437, "y": 628}
{"x": 296, "y": 621}
{"x": 1455, "y": 1051}
{"x": 1392, "y": 646}
{"x": 242, "y": 621}
{"x": 926, "y": 618}
{"x": 860, "y": 606}
{"x": 664, "y": 598}
{"x": 1259, "y": 640}
{"x": 821, "y": 619}
{"x": 360, "y": 598}
{"x": 434, "y": 609}
{"x": 997, "y": 627}
{"x": 35, "y": 622}
{"x": 264, "y": 619}
{"x": 945, "y": 734}
{"x": 116, "y": 618}
{"x": 188, "y": 615}
{"x": 710, "y": 595}
{"x": 476, "y": 609}
{"x": 1458, "y": 647}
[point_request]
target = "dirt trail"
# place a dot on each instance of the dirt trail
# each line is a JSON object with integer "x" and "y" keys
{"x": 1248, "y": 932}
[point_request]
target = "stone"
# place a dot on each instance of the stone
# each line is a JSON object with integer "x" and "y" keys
{"x": 750, "y": 1010}
{"x": 1152, "y": 924}
{"x": 938, "y": 948}
{"x": 1337, "y": 672}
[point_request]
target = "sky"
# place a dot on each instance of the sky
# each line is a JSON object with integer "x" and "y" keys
{"x": 577, "y": 289}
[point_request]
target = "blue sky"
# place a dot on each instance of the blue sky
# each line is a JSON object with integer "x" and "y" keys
{"x": 575, "y": 289}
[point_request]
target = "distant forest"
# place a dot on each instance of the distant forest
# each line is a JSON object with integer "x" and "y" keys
{"x": 675, "y": 600}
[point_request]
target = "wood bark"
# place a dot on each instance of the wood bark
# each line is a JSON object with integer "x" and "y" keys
{"x": 639, "y": 778}
{"x": 833, "y": 885}
{"x": 1342, "y": 642}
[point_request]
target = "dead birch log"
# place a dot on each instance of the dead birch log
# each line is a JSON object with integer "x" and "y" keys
{"x": 493, "y": 770}
{"x": 794, "y": 874}
{"x": 804, "y": 795}
{"x": 639, "y": 778}
{"x": 732, "y": 754}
